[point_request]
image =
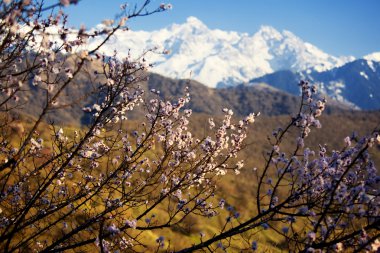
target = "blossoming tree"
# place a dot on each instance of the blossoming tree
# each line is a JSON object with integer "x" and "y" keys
{"x": 101, "y": 187}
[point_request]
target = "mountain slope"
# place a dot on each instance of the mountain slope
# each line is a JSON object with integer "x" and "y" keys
{"x": 242, "y": 99}
{"x": 356, "y": 82}
{"x": 221, "y": 58}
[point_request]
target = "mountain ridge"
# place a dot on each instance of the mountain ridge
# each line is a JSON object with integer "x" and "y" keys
{"x": 355, "y": 83}
{"x": 242, "y": 99}
{"x": 220, "y": 58}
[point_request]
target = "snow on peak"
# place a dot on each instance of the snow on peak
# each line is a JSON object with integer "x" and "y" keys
{"x": 191, "y": 27}
{"x": 216, "y": 57}
{"x": 268, "y": 32}
{"x": 194, "y": 21}
{"x": 373, "y": 57}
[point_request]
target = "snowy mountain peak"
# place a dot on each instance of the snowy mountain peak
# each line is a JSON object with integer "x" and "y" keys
{"x": 193, "y": 21}
{"x": 268, "y": 32}
{"x": 192, "y": 26}
{"x": 222, "y": 58}
{"x": 373, "y": 57}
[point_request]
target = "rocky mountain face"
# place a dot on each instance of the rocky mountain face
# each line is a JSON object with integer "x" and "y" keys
{"x": 221, "y": 58}
{"x": 356, "y": 83}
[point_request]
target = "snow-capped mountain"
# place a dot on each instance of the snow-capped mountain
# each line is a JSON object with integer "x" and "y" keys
{"x": 373, "y": 57}
{"x": 356, "y": 83}
{"x": 221, "y": 58}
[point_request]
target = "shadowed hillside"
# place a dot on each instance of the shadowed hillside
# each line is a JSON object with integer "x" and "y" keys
{"x": 242, "y": 99}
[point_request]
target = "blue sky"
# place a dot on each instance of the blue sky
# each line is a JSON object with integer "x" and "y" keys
{"x": 338, "y": 27}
